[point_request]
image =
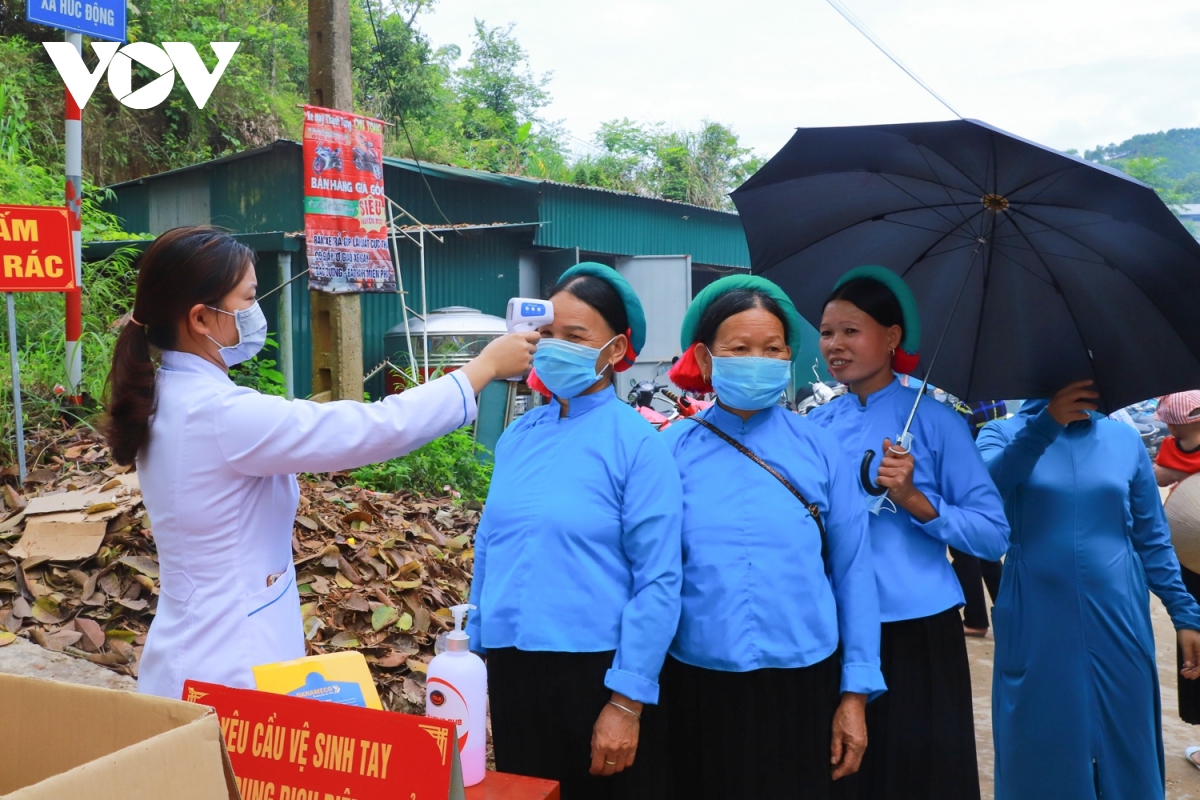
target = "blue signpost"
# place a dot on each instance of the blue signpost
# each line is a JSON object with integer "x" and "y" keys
{"x": 100, "y": 19}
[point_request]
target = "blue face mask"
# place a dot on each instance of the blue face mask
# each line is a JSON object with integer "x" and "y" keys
{"x": 749, "y": 383}
{"x": 568, "y": 369}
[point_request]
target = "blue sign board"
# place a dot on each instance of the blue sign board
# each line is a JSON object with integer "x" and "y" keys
{"x": 100, "y": 19}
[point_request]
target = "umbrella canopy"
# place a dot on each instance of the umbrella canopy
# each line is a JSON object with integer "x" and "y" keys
{"x": 1038, "y": 267}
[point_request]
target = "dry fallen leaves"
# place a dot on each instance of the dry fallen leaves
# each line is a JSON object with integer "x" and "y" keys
{"x": 375, "y": 571}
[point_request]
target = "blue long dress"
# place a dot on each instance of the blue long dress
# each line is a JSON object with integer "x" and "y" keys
{"x": 1075, "y": 702}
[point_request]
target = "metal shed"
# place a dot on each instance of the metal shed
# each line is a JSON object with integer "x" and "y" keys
{"x": 504, "y": 236}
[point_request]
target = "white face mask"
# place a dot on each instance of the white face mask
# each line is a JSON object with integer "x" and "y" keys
{"x": 252, "y": 335}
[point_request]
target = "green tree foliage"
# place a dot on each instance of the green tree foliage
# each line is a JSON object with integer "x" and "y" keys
{"x": 484, "y": 111}
{"x": 1180, "y": 147}
{"x": 498, "y": 90}
{"x": 699, "y": 167}
{"x": 397, "y": 72}
{"x": 1169, "y": 162}
{"x": 254, "y": 103}
{"x": 501, "y": 100}
{"x": 1153, "y": 173}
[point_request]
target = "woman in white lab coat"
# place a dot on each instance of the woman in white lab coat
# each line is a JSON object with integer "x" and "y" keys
{"x": 217, "y": 461}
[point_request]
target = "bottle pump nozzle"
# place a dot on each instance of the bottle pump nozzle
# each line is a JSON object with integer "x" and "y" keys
{"x": 457, "y": 640}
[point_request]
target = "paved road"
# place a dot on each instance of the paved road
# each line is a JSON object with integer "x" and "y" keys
{"x": 1183, "y": 781}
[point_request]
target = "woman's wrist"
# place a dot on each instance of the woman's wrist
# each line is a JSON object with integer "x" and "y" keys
{"x": 626, "y": 704}
{"x": 916, "y": 503}
{"x": 480, "y": 371}
{"x": 854, "y": 699}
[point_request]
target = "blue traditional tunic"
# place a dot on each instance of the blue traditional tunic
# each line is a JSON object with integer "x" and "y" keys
{"x": 578, "y": 547}
{"x": 756, "y": 593}
{"x": 1075, "y": 702}
{"x": 914, "y": 576}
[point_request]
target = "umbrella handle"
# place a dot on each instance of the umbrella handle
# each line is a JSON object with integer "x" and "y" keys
{"x": 864, "y": 475}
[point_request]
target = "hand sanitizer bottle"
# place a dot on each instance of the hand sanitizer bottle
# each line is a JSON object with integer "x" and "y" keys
{"x": 456, "y": 690}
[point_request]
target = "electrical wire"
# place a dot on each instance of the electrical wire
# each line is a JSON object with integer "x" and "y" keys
{"x": 400, "y": 117}
{"x": 841, "y": 8}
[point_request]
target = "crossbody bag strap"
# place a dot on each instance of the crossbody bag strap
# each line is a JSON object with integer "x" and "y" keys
{"x": 812, "y": 507}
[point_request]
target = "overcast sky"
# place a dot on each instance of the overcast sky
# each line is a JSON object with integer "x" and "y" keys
{"x": 1067, "y": 73}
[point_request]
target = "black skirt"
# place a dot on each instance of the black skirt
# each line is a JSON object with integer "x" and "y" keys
{"x": 544, "y": 707}
{"x": 921, "y": 732}
{"x": 1189, "y": 691}
{"x": 759, "y": 734}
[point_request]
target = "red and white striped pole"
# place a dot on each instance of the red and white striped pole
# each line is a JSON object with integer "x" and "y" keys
{"x": 74, "y": 193}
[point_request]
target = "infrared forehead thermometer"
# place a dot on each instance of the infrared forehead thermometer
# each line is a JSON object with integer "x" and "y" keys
{"x": 525, "y": 314}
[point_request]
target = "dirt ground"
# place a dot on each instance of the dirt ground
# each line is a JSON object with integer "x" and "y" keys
{"x": 1183, "y": 781}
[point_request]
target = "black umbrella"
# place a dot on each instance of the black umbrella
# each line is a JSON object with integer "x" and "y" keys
{"x": 1031, "y": 268}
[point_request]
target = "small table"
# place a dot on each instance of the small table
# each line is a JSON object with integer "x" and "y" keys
{"x": 502, "y": 786}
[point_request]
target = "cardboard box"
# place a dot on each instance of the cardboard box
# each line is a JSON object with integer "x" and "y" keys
{"x": 67, "y": 741}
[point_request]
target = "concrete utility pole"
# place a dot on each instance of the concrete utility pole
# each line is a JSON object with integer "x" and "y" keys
{"x": 336, "y": 318}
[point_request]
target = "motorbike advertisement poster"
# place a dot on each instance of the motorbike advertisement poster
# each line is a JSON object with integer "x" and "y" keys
{"x": 345, "y": 213}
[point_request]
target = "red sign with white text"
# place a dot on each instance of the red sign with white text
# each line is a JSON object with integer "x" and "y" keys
{"x": 291, "y": 748}
{"x": 36, "y": 251}
{"x": 345, "y": 211}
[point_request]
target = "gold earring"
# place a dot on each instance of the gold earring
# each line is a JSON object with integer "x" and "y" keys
{"x": 892, "y": 352}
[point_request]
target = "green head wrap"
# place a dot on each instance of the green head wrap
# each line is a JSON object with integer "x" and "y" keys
{"x": 691, "y": 320}
{"x": 896, "y": 285}
{"x": 633, "y": 305}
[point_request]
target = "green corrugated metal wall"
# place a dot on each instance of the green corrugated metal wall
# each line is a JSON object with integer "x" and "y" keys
{"x": 132, "y": 205}
{"x": 264, "y": 192}
{"x": 606, "y": 222}
{"x": 462, "y": 201}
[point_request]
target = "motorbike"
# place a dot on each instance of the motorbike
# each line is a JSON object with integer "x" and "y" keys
{"x": 643, "y": 395}
{"x": 1152, "y": 431}
{"x": 821, "y": 392}
{"x": 685, "y": 405}
{"x": 366, "y": 158}
{"x": 327, "y": 158}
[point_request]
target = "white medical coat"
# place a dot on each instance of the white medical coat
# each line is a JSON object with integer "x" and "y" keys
{"x": 219, "y": 484}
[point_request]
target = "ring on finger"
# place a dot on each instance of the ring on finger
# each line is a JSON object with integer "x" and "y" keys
{"x": 611, "y": 763}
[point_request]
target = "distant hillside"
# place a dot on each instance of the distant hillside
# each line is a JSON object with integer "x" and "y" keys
{"x": 1179, "y": 146}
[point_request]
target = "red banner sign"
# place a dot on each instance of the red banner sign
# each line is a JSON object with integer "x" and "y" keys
{"x": 345, "y": 213}
{"x": 36, "y": 251}
{"x": 291, "y": 748}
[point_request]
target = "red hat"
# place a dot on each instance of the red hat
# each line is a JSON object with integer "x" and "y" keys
{"x": 1181, "y": 408}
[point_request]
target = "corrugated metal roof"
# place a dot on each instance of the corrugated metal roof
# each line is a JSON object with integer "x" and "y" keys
{"x": 429, "y": 169}
{"x": 522, "y": 182}
{"x": 278, "y": 143}
{"x": 624, "y": 224}
{"x": 462, "y": 173}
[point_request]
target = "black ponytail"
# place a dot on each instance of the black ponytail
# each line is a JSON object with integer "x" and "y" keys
{"x": 182, "y": 268}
